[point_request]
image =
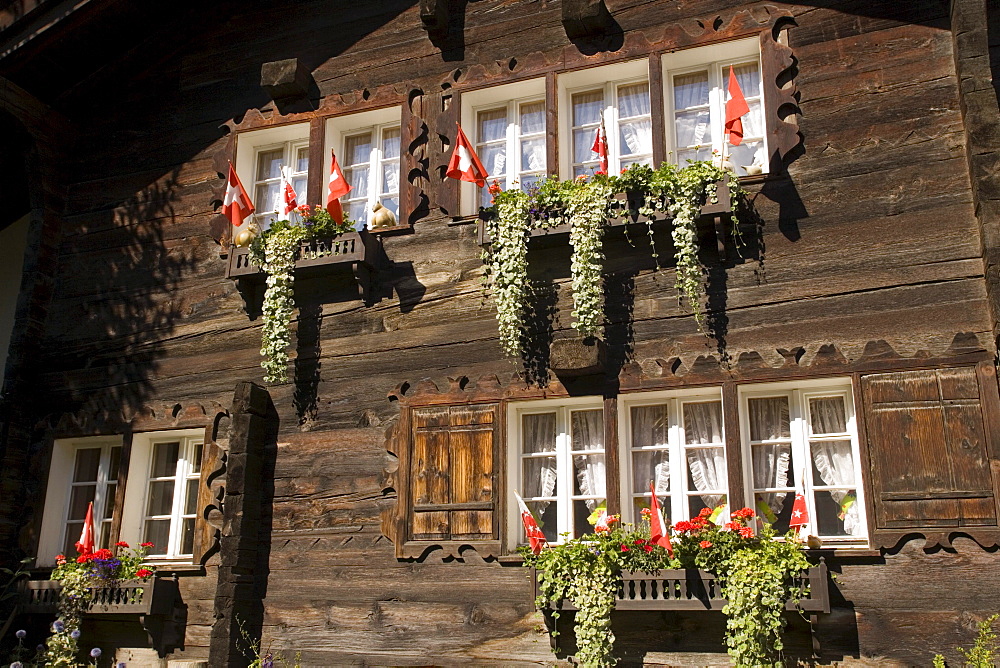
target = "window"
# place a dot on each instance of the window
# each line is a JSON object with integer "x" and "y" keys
{"x": 624, "y": 110}
{"x": 260, "y": 156}
{"x": 805, "y": 437}
{"x": 367, "y": 146}
{"x": 695, "y": 92}
{"x": 677, "y": 444}
{"x": 560, "y": 465}
{"x": 172, "y": 495}
{"x": 160, "y": 494}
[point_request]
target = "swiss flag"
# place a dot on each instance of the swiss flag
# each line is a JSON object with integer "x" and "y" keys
{"x": 86, "y": 543}
{"x": 338, "y": 188}
{"x": 465, "y": 164}
{"x": 658, "y": 533}
{"x": 237, "y": 204}
{"x": 735, "y": 108}
{"x": 288, "y": 196}
{"x": 535, "y": 536}
{"x": 800, "y": 513}
{"x": 600, "y": 146}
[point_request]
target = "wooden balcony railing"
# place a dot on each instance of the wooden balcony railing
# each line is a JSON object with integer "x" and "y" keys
{"x": 155, "y": 596}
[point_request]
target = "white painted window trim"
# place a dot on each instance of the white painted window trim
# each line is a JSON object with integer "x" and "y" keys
{"x": 339, "y": 128}
{"x": 250, "y": 144}
{"x": 564, "y": 459}
{"x": 678, "y": 474}
{"x": 799, "y": 392}
{"x": 57, "y": 494}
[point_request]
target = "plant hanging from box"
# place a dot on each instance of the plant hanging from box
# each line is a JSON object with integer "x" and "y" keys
{"x": 274, "y": 251}
{"x": 585, "y": 203}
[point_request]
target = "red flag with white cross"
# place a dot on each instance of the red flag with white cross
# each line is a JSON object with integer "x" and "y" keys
{"x": 659, "y": 534}
{"x": 535, "y": 536}
{"x": 736, "y": 107}
{"x": 236, "y": 205}
{"x": 465, "y": 164}
{"x": 338, "y": 188}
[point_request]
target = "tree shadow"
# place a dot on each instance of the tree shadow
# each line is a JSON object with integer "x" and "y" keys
{"x": 540, "y": 317}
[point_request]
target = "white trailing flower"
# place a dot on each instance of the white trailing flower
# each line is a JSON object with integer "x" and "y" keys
{"x": 587, "y": 211}
{"x": 279, "y": 301}
{"x": 507, "y": 267}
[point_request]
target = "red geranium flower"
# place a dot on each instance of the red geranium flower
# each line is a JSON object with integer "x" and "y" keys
{"x": 60, "y": 559}
{"x": 648, "y": 548}
{"x": 746, "y": 532}
{"x": 684, "y": 526}
{"x": 121, "y": 543}
{"x": 494, "y": 187}
{"x": 103, "y": 554}
{"x": 640, "y": 541}
{"x": 84, "y": 558}
{"x": 733, "y": 526}
{"x": 601, "y": 529}
{"x": 744, "y": 513}
{"x": 646, "y": 512}
{"x": 704, "y": 512}
{"x": 613, "y": 518}
{"x": 145, "y": 545}
{"x": 143, "y": 573}
{"x": 704, "y": 544}
{"x": 624, "y": 548}
{"x": 599, "y": 172}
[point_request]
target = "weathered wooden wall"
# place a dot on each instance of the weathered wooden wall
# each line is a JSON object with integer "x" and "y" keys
{"x": 871, "y": 245}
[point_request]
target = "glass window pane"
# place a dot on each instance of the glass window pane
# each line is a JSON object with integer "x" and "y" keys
{"x": 302, "y": 159}
{"x": 651, "y": 465}
{"x": 528, "y": 181}
{"x": 266, "y": 197}
{"x": 583, "y": 143}
{"x": 748, "y": 76}
{"x": 707, "y": 473}
{"x": 690, "y": 90}
{"x": 191, "y": 499}
{"x": 703, "y": 153}
{"x": 161, "y": 498}
{"x": 532, "y": 118}
{"x": 587, "y": 107}
{"x": 753, "y": 120}
{"x": 533, "y": 154}
{"x": 269, "y": 164}
{"x": 358, "y": 211}
{"x": 747, "y": 153}
{"x": 837, "y": 513}
{"x": 636, "y": 137}
{"x": 390, "y": 143}
{"x": 157, "y": 532}
{"x": 545, "y": 514}
{"x": 703, "y": 422}
{"x": 587, "y": 430}
{"x": 539, "y": 477}
{"x": 644, "y": 160}
{"x": 585, "y": 515}
{"x": 633, "y": 100}
{"x": 109, "y": 501}
{"x": 538, "y": 432}
{"x": 80, "y": 498}
{"x": 103, "y": 535}
{"x": 772, "y": 465}
{"x": 391, "y": 203}
{"x": 775, "y": 508}
{"x": 833, "y": 463}
{"x": 357, "y": 177}
{"x": 73, "y": 531}
{"x": 715, "y": 503}
{"x": 88, "y": 464}
{"x": 187, "y": 536}
{"x": 650, "y": 425}
{"x": 164, "y": 459}
{"x": 358, "y": 149}
{"x": 827, "y": 415}
{"x": 769, "y": 418}
{"x": 390, "y": 177}
{"x": 692, "y": 128}
{"x": 299, "y": 185}
{"x": 116, "y": 460}
{"x": 589, "y": 476}
{"x": 494, "y": 158}
{"x": 492, "y": 125}
{"x": 196, "y": 449}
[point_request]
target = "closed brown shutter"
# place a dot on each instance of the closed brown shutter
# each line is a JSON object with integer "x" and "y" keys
{"x": 452, "y": 464}
{"x": 928, "y": 448}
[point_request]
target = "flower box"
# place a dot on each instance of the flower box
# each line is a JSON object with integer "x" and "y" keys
{"x": 626, "y": 210}
{"x": 314, "y": 255}
{"x": 154, "y": 596}
{"x": 693, "y": 589}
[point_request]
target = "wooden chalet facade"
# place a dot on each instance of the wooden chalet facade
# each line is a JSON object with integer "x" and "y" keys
{"x": 363, "y": 514}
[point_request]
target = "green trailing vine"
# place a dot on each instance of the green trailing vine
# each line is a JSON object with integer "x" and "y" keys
{"x": 756, "y": 573}
{"x": 274, "y": 251}
{"x": 585, "y": 203}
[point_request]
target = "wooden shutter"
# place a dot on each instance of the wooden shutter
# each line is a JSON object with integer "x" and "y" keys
{"x": 452, "y": 495}
{"x": 928, "y": 447}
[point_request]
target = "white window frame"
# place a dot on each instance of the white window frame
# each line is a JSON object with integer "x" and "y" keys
{"x": 512, "y": 95}
{"x": 564, "y": 461}
{"x": 799, "y": 393}
{"x": 249, "y": 146}
{"x": 716, "y": 59}
{"x": 339, "y": 128}
{"x": 52, "y": 538}
{"x": 679, "y": 492}
{"x": 137, "y": 490}
{"x": 608, "y": 78}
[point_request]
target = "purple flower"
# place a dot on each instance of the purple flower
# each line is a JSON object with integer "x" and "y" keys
{"x": 75, "y": 634}
{"x": 16, "y": 664}
{"x": 21, "y": 633}
{"x": 121, "y": 664}
{"x": 40, "y": 648}
{"x": 96, "y": 652}
{"x": 268, "y": 662}
{"x": 58, "y": 626}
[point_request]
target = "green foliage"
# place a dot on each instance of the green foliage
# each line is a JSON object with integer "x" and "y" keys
{"x": 984, "y": 652}
{"x": 586, "y": 204}
{"x": 274, "y": 251}
{"x": 754, "y": 571}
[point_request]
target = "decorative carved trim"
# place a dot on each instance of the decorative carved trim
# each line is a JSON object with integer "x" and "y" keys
{"x": 986, "y": 538}
{"x": 97, "y": 418}
{"x": 778, "y": 68}
{"x": 430, "y": 552}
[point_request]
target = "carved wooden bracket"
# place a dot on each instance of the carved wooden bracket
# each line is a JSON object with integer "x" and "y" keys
{"x": 585, "y": 18}
{"x": 285, "y": 79}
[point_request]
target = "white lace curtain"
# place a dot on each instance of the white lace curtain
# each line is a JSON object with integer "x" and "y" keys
{"x": 703, "y": 425}
{"x": 834, "y": 460}
{"x": 636, "y": 136}
{"x": 650, "y": 428}
{"x": 588, "y": 434}
{"x": 769, "y": 420}
{"x": 539, "y": 432}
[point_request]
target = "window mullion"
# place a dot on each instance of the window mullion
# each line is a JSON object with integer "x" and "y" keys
{"x": 513, "y": 162}
{"x": 564, "y": 469}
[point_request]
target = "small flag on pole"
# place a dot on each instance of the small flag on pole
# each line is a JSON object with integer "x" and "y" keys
{"x": 658, "y": 532}
{"x": 288, "y": 196}
{"x": 86, "y": 543}
{"x": 338, "y": 188}
{"x": 465, "y": 164}
{"x": 736, "y": 107}
{"x": 800, "y": 513}
{"x": 535, "y": 536}
{"x": 600, "y": 146}
{"x": 237, "y": 204}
